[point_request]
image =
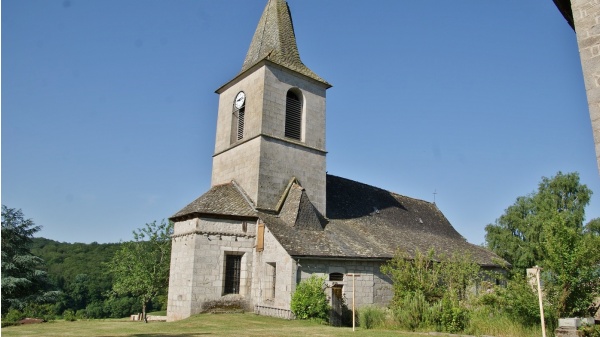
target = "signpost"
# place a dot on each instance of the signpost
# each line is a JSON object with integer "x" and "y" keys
{"x": 354, "y": 275}
{"x": 539, "y": 286}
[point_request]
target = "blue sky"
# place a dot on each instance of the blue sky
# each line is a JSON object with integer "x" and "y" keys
{"x": 109, "y": 110}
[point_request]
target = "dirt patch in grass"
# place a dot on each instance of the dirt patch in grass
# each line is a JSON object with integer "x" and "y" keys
{"x": 31, "y": 321}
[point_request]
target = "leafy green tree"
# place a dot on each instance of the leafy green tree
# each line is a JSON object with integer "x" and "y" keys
{"x": 23, "y": 282}
{"x": 546, "y": 228}
{"x": 79, "y": 291}
{"x": 141, "y": 267}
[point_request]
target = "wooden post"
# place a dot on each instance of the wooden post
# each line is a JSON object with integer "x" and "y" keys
{"x": 353, "y": 307}
{"x": 539, "y": 286}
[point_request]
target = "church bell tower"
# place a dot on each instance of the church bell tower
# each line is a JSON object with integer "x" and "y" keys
{"x": 271, "y": 119}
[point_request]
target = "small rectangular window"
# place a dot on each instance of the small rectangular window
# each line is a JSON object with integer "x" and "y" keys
{"x": 233, "y": 267}
{"x": 271, "y": 271}
{"x": 260, "y": 238}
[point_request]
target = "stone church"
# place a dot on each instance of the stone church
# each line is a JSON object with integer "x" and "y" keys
{"x": 273, "y": 216}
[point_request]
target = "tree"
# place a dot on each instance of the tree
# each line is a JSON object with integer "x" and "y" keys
{"x": 546, "y": 229}
{"x": 141, "y": 267}
{"x": 23, "y": 282}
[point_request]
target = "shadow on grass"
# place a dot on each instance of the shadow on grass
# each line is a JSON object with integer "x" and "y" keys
{"x": 185, "y": 334}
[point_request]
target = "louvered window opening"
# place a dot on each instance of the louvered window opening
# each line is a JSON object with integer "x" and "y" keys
{"x": 240, "y": 128}
{"x": 293, "y": 116}
{"x": 233, "y": 268}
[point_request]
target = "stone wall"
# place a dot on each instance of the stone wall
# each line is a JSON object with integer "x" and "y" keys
{"x": 199, "y": 249}
{"x": 273, "y": 260}
{"x": 372, "y": 287}
{"x": 268, "y": 278}
{"x": 280, "y": 161}
{"x": 240, "y": 163}
{"x": 586, "y": 16}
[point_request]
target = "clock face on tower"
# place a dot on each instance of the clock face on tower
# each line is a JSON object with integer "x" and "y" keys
{"x": 240, "y": 99}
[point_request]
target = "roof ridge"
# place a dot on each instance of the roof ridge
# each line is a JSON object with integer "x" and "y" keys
{"x": 285, "y": 194}
{"x": 383, "y": 189}
{"x": 244, "y": 195}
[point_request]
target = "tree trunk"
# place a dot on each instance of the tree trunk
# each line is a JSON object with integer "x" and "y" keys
{"x": 144, "y": 312}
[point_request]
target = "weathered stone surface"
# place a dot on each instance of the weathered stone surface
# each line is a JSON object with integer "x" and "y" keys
{"x": 567, "y": 332}
{"x": 586, "y": 15}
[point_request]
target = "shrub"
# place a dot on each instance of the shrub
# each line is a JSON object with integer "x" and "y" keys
{"x": 119, "y": 307}
{"x": 454, "y": 317}
{"x": 95, "y": 310}
{"x": 433, "y": 316}
{"x": 80, "y": 314}
{"x": 43, "y": 311}
{"x": 309, "y": 300}
{"x": 590, "y": 331}
{"x": 521, "y": 304}
{"x": 370, "y": 317}
{"x": 69, "y": 315}
{"x": 411, "y": 311}
{"x": 13, "y": 316}
{"x": 432, "y": 274}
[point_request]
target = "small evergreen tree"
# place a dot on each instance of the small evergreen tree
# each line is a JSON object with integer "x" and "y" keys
{"x": 23, "y": 282}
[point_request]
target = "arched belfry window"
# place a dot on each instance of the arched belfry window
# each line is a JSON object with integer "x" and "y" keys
{"x": 293, "y": 115}
{"x": 237, "y": 119}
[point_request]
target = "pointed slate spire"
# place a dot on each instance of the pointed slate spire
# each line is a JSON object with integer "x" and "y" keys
{"x": 274, "y": 40}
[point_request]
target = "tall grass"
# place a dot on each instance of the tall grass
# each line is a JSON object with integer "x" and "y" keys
{"x": 486, "y": 322}
{"x": 371, "y": 317}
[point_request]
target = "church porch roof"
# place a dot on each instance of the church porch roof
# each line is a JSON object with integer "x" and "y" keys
{"x": 226, "y": 200}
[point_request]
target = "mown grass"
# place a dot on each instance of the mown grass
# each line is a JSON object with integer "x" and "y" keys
{"x": 201, "y": 325}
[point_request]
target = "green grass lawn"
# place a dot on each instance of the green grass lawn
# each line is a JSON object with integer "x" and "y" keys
{"x": 201, "y": 325}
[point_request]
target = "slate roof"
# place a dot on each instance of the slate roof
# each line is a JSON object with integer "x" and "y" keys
{"x": 369, "y": 222}
{"x": 222, "y": 200}
{"x": 363, "y": 222}
{"x": 275, "y": 40}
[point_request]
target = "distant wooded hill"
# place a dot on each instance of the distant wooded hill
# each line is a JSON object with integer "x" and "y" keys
{"x": 64, "y": 261}
{"x": 78, "y": 270}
